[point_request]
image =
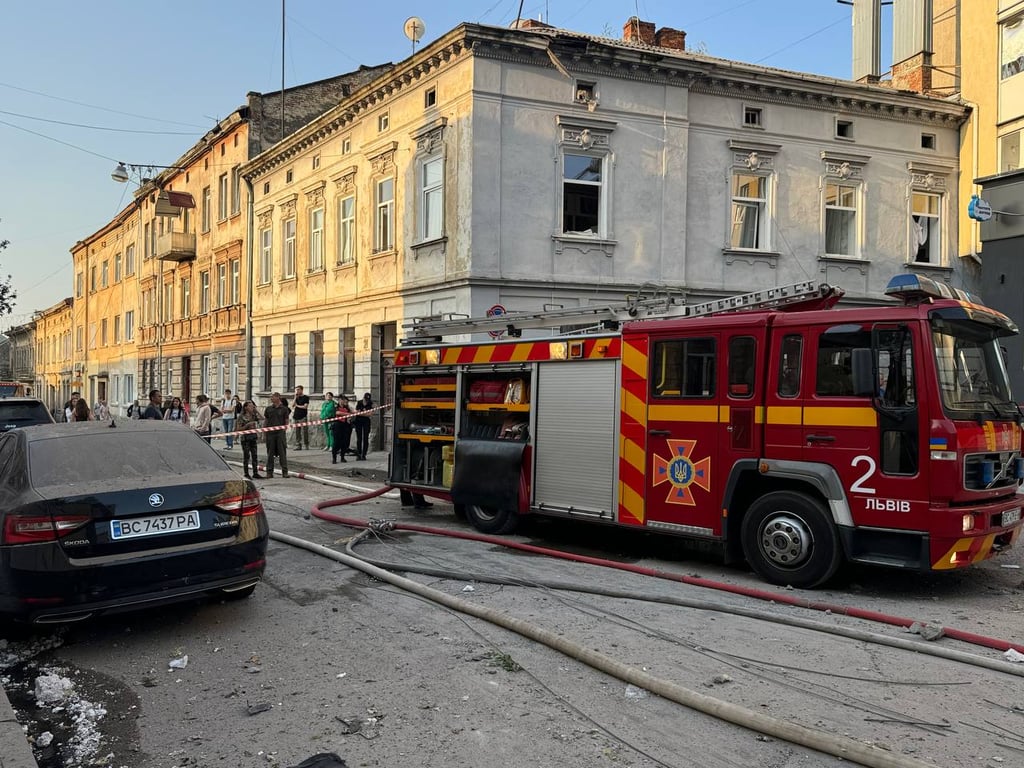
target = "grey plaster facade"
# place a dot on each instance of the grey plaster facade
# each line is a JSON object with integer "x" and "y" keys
{"x": 672, "y": 128}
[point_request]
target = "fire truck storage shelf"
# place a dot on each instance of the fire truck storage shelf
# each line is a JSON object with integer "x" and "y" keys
{"x": 495, "y": 407}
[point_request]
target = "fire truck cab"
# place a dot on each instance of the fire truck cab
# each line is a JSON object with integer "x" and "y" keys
{"x": 797, "y": 435}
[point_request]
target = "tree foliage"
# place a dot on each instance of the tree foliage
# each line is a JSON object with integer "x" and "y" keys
{"x": 7, "y": 294}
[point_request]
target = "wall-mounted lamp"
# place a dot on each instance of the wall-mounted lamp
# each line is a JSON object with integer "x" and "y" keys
{"x": 123, "y": 172}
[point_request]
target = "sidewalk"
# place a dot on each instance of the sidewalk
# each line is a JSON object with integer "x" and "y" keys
{"x": 314, "y": 461}
{"x": 14, "y": 749}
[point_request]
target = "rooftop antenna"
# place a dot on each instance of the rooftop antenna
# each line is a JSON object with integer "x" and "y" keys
{"x": 414, "y": 29}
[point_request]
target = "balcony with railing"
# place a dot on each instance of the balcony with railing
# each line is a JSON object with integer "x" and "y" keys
{"x": 176, "y": 246}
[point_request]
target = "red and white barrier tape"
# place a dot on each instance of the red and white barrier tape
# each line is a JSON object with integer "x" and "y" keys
{"x": 293, "y": 425}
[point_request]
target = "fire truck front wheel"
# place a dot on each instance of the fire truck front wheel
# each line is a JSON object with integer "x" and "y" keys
{"x": 788, "y": 539}
{"x": 490, "y": 519}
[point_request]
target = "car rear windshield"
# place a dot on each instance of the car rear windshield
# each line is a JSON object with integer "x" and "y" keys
{"x": 19, "y": 414}
{"x": 119, "y": 455}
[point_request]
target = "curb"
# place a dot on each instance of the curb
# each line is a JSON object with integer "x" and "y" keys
{"x": 14, "y": 749}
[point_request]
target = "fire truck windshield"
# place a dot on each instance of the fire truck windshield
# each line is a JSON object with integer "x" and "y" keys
{"x": 972, "y": 377}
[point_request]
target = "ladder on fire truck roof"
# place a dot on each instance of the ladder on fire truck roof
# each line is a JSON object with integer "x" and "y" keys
{"x": 424, "y": 330}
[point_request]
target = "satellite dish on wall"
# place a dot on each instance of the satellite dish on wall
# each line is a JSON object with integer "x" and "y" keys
{"x": 414, "y": 29}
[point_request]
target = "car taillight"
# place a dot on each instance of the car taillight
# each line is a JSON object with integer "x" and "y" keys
{"x": 32, "y": 529}
{"x": 249, "y": 504}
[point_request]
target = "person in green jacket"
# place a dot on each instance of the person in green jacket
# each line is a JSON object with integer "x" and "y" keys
{"x": 327, "y": 411}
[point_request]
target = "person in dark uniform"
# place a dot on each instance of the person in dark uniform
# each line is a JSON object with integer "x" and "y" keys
{"x": 276, "y": 415}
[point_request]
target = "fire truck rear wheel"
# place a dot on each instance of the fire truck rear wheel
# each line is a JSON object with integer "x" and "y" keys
{"x": 490, "y": 519}
{"x": 789, "y": 539}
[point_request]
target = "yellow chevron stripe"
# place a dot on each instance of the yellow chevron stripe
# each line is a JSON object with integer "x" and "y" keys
{"x": 633, "y": 454}
{"x": 634, "y": 407}
{"x": 634, "y": 360}
{"x": 483, "y": 353}
{"x": 632, "y": 501}
{"x": 449, "y": 356}
{"x": 704, "y": 413}
{"x": 521, "y": 352}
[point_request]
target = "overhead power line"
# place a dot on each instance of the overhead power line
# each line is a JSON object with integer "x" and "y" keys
{"x": 795, "y": 43}
{"x": 97, "y": 127}
{"x": 50, "y": 138}
{"x": 103, "y": 109}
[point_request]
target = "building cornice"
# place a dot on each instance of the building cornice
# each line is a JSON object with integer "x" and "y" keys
{"x": 604, "y": 57}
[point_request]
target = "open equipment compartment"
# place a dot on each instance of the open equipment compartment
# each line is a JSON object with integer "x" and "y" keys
{"x": 425, "y": 427}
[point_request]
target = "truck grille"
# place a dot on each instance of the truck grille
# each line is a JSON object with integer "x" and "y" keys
{"x": 983, "y": 471}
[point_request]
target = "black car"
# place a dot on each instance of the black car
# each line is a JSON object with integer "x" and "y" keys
{"x": 97, "y": 517}
{"x": 22, "y": 412}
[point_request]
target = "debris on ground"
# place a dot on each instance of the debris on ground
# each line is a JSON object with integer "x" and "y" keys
{"x": 179, "y": 663}
{"x": 926, "y": 631}
{"x": 1011, "y": 654}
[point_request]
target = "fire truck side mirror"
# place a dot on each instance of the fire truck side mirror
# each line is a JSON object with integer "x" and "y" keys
{"x": 865, "y": 383}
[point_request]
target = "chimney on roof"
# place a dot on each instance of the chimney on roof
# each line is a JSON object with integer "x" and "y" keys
{"x": 636, "y": 31}
{"x": 666, "y": 37}
{"x": 530, "y": 24}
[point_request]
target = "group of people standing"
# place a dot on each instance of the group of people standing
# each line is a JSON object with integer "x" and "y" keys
{"x": 238, "y": 416}
{"x": 277, "y": 417}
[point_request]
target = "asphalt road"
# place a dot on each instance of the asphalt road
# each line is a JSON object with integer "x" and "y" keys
{"x": 324, "y": 658}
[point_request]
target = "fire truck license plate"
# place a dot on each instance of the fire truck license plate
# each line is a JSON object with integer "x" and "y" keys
{"x": 1011, "y": 516}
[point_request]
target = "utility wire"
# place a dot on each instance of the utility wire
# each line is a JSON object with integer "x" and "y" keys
{"x": 845, "y": 19}
{"x": 97, "y": 127}
{"x": 322, "y": 39}
{"x": 65, "y": 143}
{"x": 103, "y": 109}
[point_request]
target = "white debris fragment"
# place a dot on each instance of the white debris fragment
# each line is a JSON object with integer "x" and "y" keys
{"x": 635, "y": 692}
{"x": 179, "y": 663}
{"x": 44, "y": 739}
{"x": 1013, "y": 655}
{"x": 469, "y": 588}
{"x": 51, "y": 689}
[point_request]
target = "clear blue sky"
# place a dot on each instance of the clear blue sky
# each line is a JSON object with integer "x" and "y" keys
{"x": 161, "y": 73}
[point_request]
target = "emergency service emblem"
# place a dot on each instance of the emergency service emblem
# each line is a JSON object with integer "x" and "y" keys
{"x": 681, "y": 472}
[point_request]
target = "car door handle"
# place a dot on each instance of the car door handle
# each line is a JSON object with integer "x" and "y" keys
{"x": 821, "y": 438}
{"x": 659, "y": 432}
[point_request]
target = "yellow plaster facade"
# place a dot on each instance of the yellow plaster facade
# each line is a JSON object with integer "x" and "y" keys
{"x": 53, "y": 353}
{"x": 335, "y": 228}
{"x": 193, "y": 274}
{"x": 104, "y": 311}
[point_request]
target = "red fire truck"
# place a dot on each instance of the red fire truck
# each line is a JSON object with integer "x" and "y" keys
{"x": 797, "y": 435}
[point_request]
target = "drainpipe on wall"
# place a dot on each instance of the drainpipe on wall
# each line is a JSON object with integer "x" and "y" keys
{"x": 248, "y": 289}
{"x": 975, "y": 122}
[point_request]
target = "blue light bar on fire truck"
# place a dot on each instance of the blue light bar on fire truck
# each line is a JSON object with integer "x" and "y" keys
{"x": 913, "y": 288}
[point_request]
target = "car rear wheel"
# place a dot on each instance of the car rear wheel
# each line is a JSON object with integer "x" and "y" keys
{"x": 491, "y": 519}
{"x": 789, "y": 539}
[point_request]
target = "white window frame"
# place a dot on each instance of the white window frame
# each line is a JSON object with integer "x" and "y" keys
{"x": 760, "y": 205}
{"x": 205, "y": 210}
{"x": 347, "y": 230}
{"x": 186, "y": 297}
{"x": 222, "y": 285}
{"x": 288, "y": 248}
{"x": 383, "y": 216}
{"x": 926, "y": 229}
{"x": 129, "y": 260}
{"x": 585, "y": 137}
{"x": 266, "y": 254}
{"x": 204, "y": 292}
{"x": 129, "y": 325}
{"x": 316, "y": 239}
{"x": 222, "y": 197}
{"x": 431, "y": 197}
{"x": 856, "y": 190}
{"x": 236, "y": 282}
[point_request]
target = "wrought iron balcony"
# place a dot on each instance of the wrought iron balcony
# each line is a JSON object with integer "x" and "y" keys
{"x": 176, "y": 246}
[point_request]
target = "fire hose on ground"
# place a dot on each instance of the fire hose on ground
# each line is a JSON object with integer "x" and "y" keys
{"x": 831, "y": 744}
